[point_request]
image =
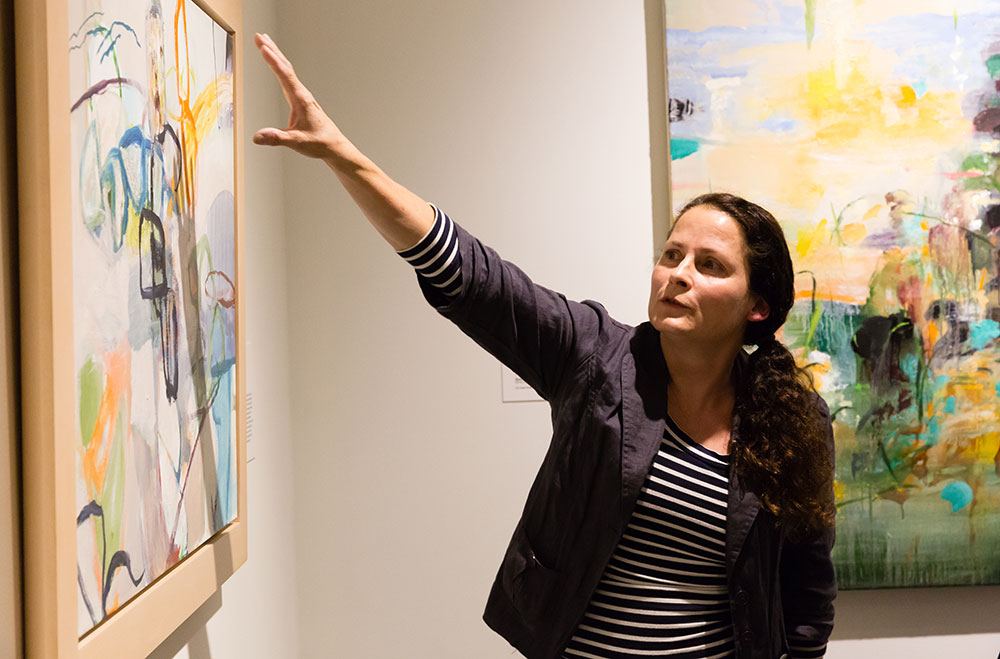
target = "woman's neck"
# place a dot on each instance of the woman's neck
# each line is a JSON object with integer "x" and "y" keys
{"x": 701, "y": 382}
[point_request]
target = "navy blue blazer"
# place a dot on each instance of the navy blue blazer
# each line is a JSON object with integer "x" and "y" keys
{"x": 606, "y": 383}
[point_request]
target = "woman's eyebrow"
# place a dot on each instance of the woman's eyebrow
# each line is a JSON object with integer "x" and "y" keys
{"x": 711, "y": 251}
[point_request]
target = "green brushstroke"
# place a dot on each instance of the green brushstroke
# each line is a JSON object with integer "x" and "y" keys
{"x": 112, "y": 497}
{"x": 681, "y": 148}
{"x": 91, "y": 385}
{"x": 978, "y": 161}
{"x": 810, "y": 21}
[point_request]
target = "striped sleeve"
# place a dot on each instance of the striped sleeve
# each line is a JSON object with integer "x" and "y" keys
{"x": 805, "y": 650}
{"x": 436, "y": 257}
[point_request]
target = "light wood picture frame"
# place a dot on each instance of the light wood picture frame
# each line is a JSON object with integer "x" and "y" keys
{"x": 49, "y": 376}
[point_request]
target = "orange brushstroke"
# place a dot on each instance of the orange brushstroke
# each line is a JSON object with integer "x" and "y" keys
{"x": 117, "y": 366}
{"x": 195, "y": 120}
{"x": 188, "y": 125}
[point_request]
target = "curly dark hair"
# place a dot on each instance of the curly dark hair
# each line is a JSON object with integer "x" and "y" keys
{"x": 782, "y": 453}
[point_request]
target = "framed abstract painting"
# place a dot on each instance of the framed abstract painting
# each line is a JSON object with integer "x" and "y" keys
{"x": 130, "y": 203}
{"x": 872, "y": 131}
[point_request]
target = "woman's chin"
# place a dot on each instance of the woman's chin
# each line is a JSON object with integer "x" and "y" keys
{"x": 673, "y": 327}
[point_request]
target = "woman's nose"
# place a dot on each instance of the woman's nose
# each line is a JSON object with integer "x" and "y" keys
{"x": 681, "y": 275}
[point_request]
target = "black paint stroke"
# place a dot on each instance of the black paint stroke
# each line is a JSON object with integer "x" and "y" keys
{"x": 92, "y": 509}
{"x": 120, "y": 559}
{"x": 101, "y": 87}
{"x": 152, "y": 261}
{"x": 169, "y": 342}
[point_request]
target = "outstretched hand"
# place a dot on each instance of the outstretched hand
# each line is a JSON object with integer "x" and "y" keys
{"x": 310, "y": 131}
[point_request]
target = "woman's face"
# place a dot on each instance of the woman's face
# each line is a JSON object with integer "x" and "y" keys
{"x": 700, "y": 286}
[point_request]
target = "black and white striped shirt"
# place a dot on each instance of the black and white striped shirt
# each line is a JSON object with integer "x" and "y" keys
{"x": 664, "y": 591}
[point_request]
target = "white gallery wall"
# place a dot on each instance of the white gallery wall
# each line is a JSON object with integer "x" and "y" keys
{"x": 528, "y": 122}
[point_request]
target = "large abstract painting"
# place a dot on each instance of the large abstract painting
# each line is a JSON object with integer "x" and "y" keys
{"x": 152, "y": 161}
{"x": 871, "y": 129}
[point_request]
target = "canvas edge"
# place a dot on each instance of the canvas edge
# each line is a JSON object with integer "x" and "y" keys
{"x": 659, "y": 121}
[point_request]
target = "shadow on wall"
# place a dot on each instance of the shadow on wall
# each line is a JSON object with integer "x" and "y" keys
{"x": 193, "y": 633}
{"x": 902, "y": 612}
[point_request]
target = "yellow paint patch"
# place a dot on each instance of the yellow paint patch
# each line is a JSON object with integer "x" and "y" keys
{"x": 872, "y": 212}
{"x": 853, "y": 232}
{"x": 807, "y": 238}
{"x": 859, "y": 107}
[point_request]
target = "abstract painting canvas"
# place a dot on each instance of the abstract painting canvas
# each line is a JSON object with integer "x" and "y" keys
{"x": 871, "y": 129}
{"x": 152, "y": 162}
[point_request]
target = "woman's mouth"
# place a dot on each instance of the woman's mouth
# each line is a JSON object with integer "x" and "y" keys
{"x": 674, "y": 303}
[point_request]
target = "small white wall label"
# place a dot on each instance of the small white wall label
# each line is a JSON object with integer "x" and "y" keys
{"x": 515, "y": 389}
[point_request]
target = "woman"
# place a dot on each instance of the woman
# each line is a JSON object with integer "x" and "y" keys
{"x": 684, "y": 507}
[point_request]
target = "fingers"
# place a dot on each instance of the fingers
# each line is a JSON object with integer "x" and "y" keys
{"x": 281, "y": 67}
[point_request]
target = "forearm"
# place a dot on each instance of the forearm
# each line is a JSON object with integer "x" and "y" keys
{"x": 399, "y": 215}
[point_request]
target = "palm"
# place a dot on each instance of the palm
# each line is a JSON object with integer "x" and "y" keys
{"x": 310, "y": 131}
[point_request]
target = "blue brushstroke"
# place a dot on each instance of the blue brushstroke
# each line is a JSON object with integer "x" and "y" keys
{"x": 222, "y": 371}
{"x": 779, "y": 124}
{"x": 958, "y": 494}
{"x": 925, "y": 45}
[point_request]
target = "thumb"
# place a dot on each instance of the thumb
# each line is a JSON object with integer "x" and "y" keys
{"x": 272, "y": 137}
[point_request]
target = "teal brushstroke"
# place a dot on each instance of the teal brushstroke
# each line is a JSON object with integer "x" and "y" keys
{"x": 682, "y": 148}
{"x": 993, "y": 66}
{"x": 919, "y": 88}
{"x": 958, "y": 494}
{"x": 910, "y": 365}
{"x": 982, "y": 332}
{"x": 949, "y": 405}
{"x": 222, "y": 373}
{"x": 933, "y": 433}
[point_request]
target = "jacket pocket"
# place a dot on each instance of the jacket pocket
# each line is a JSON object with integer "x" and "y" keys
{"x": 530, "y": 585}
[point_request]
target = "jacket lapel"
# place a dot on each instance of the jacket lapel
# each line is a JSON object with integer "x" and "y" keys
{"x": 743, "y": 508}
{"x": 743, "y": 504}
{"x": 644, "y": 408}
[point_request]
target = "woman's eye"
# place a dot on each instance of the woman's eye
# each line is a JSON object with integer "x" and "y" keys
{"x": 711, "y": 264}
{"x": 671, "y": 254}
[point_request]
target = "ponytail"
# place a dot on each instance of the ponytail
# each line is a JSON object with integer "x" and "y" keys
{"x": 782, "y": 451}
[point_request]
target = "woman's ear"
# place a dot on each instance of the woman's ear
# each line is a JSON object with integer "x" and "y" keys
{"x": 760, "y": 311}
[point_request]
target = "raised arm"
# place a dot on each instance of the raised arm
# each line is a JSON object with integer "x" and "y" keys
{"x": 535, "y": 331}
{"x": 400, "y": 216}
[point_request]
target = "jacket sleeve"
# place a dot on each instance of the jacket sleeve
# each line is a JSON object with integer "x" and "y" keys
{"x": 536, "y": 332}
{"x": 808, "y": 582}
